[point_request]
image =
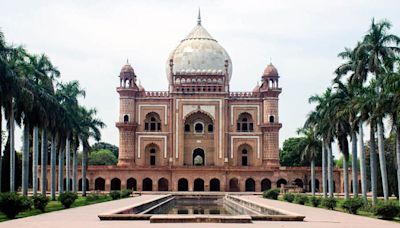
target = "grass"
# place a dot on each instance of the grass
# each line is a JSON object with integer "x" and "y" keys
{"x": 56, "y": 206}
{"x": 361, "y": 211}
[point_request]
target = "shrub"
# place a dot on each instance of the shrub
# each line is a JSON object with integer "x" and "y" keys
{"x": 301, "y": 199}
{"x": 126, "y": 193}
{"x": 115, "y": 195}
{"x": 352, "y": 205}
{"x": 315, "y": 201}
{"x": 289, "y": 197}
{"x": 329, "y": 202}
{"x": 272, "y": 194}
{"x": 67, "y": 199}
{"x": 11, "y": 204}
{"x": 386, "y": 210}
{"x": 92, "y": 197}
{"x": 40, "y": 202}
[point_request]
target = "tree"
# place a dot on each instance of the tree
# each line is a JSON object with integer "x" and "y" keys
{"x": 378, "y": 48}
{"x": 310, "y": 152}
{"x": 102, "y": 157}
{"x": 103, "y": 145}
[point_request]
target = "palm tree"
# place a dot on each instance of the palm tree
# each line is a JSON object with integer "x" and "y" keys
{"x": 310, "y": 151}
{"x": 89, "y": 127}
{"x": 67, "y": 95}
{"x": 319, "y": 119}
{"x": 377, "y": 47}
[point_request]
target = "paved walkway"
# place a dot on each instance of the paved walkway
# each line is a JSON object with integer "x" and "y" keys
{"x": 86, "y": 217}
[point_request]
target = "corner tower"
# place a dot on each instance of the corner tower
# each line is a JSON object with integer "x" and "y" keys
{"x": 126, "y": 124}
{"x": 269, "y": 91}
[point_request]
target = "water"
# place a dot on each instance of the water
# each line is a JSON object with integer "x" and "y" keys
{"x": 198, "y": 206}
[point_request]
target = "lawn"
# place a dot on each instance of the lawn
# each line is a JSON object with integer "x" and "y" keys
{"x": 364, "y": 211}
{"x": 56, "y": 206}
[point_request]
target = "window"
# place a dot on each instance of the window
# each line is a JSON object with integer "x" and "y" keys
{"x": 198, "y": 128}
{"x": 245, "y": 123}
{"x": 152, "y": 122}
{"x": 244, "y": 157}
{"x": 152, "y": 156}
{"x": 187, "y": 128}
{"x": 126, "y": 118}
{"x": 271, "y": 119}
{"x": 210, "y": 128}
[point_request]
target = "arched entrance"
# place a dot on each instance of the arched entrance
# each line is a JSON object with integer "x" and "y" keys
{"x": 214, "y": 185}
{"x": 183, "y": 185}
{"x": 234, "y": 185}
{"x": 147, "y": 185}
{"x": 100, "y": 184}
{"x": 280, "y": 182}
{"x": 131, "y": 184}
{"x": 298, "y": 182}
{"x": 198, "y": 157}
{"x": 250, "y": 185}
{"x": 316, "y": 185}
{"x": 80, "y": 185}
{"x": 115, "y": 184}
{"x": 198, "y": 185}
{"x": 163, "y": 184}
{"x": 265, "y": 184}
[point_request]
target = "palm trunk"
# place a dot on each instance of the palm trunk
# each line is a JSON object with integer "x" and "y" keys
{"x": 313, "y": 177}
{"x": 1, "y": 151}
{"x": 346, "y": 176}
{"x": 84, "y": 164}
{"x": 354, "y": 160}
{"x": 74, "y": 170}
{"x": 61, "y": 170}
{"x": 373, "y": 164}
{"x": 330, "y": 169}
{"x": 43, "y": 162}
{"x": 67, "y": 163}
{"x": 324, "y": 168}
{"x": 382, "y": 161}
{"x": 12, "y": 150}
{"x": 362, "y": 163}
{"x": 35, "y": 159}
{"x": 25, "y": 161}
{"x": 398, "y": 158}
{"x": 53, "y": 156}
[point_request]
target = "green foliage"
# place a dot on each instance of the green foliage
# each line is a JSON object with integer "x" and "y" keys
{"x": 301, "y": 199}
{"x": 115, "y": 195}
{"x": 272, "y": 193}
{"x": 11, "y": 204}
{"x": 329, "y": 202}
{"x": 315, "y": 201}
{"x": 105, "y": 146}
{"x": 102, "y": 157}
{"x": 93, "y": 197}
{"x": 387, "y": 210}
{"x": 289, "y": 197}
{"x": 290, "y": 154}
{"x": 67, "y": 199}
{"x": 126, "y": 193}
{"x": 352, "y": 205}
{"x": 40, "y": 202}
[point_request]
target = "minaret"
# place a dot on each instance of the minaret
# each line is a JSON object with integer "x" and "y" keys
{"x": 270, "y": 91}
{"x": 128, "y": 90}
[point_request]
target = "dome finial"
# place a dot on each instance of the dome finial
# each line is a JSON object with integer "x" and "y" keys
{"x": 127, "y": 61}
{"x": 199, "y": 18}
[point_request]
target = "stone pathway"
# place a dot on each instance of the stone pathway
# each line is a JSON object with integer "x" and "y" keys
{"x": 86, "y": 217}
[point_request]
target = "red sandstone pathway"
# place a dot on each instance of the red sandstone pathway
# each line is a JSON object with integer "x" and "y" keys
{"x": 86, "y": 217}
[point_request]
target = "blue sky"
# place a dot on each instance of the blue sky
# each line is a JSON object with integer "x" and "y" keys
{"x": 89, "y": 41}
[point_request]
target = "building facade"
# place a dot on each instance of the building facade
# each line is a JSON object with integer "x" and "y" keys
{"x": 198, "y": 135}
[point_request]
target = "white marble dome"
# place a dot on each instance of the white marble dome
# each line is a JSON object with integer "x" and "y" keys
{"x": 199, "y": 53}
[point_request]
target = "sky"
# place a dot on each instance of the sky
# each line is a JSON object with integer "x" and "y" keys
{"x": 90, "y": 41}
